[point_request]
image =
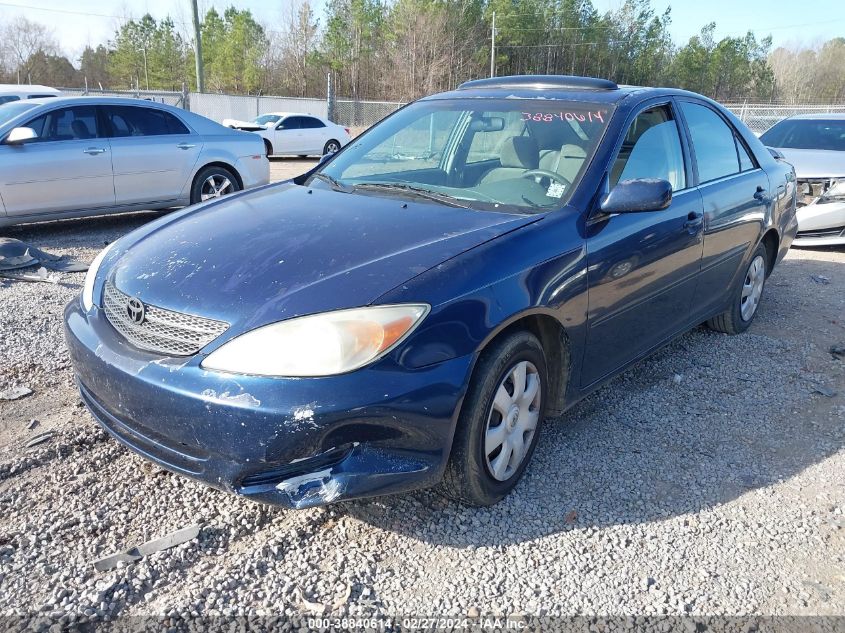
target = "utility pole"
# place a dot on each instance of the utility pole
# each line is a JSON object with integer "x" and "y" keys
{"x": 198, "y": 48}
{"x": 493, "y": 47}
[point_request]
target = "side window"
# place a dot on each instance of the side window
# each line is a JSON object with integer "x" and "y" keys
{"x": 8, "y": 98}
{"x": 290, "y": 123}
{"x": 137, "y": 121}
{"x": 745, "y": 161}
{"x": 651, "y": 149}
{"x": 67, "y": 124}
{"x": 310, "y": 123}
{"x": 713, "y": 142}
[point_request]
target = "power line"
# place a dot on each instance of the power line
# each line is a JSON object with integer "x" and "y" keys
{"x": 82, "y": 13}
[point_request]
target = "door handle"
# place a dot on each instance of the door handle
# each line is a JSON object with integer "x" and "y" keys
{"x": 93, "y": 151}
{"x": 694, "y": 222}
{"x": 186, "y": 145}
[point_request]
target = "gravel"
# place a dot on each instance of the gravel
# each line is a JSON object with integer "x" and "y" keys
{"x": 707, "y": 480}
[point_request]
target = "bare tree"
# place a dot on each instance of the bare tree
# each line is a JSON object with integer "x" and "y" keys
{"x": 20, "y": 40}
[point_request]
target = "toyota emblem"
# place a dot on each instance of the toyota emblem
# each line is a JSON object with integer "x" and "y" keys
{"x": 135, "y": 310}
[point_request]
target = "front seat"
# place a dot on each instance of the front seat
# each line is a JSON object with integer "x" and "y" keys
{"x": 567, "y": 162}
{"x": 80, "y": 130}
{"x": 517, "y": 155}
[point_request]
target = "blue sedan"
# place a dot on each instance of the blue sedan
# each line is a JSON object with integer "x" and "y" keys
{"x": 409, "y": 312}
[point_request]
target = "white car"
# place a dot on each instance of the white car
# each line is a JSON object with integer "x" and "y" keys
{"x": 292, "y": 133}
{"x": 19, "y": 92}
{"x": 815, "y": 145}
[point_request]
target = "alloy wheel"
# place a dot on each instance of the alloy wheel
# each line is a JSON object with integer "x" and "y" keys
{"x": 512, "y": 420}
{"x": 332, "y": 147}
{"x": 752, "y": 288}
{"x": 215, "y": 186}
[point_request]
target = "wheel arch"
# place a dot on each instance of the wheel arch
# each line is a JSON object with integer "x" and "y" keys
{"x": 218, "y": 163}
{"x": 555, "y": 341}
{"x": 771, "y": 240}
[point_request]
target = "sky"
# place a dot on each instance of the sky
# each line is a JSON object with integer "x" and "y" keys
{"x": 80, "y": 22}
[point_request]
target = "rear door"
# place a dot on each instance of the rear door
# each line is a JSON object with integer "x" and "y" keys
{"x": 287, "y": 137}
{"x": 643, "y": 267}
{"x": 313, "y": 134}
{"x": 67, "y": 168}
{"x": 153, "y": 153}
{"x": 735, "y": 192}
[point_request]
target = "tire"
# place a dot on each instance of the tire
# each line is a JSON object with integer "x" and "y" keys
{"x": 331, "y": 147}
{"x": 221, "y": 176}
{"x": 745, "y": 300}
{"x": 471, "y": 476}
{"x": 268, "y": 148}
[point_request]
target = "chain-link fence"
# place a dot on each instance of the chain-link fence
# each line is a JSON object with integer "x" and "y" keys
{"x": 178, "y": 99}
{"x": 362, "y": 114}
{"x": 760, "y": 117}
{"x": 245, "y": 108}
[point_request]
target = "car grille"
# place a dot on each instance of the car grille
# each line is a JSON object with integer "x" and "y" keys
{"x": 810, "y": 189}
{"x": 162, "y": 331}
{"x": 834, "y": 232}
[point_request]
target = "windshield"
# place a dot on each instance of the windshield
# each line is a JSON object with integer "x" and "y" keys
{"x": 264, "y": 119}
{"x": 9, "y": 111}
{"x": 806, "y": 134}
{"x": 489, "y": 154}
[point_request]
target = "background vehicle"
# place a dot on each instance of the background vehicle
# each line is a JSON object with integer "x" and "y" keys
{"x": 287, "y": 133}
{"x": 407, "y": 313}
{"x": 18, "y": 92}
{"x": 815, "y": 145}
{"x": 75, "y": 156}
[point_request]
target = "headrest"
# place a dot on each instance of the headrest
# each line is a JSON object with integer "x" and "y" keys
{"x": 521, "y": 152}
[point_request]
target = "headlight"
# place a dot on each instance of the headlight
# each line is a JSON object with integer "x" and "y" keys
{"x": 318, "y": 345}
{"x": 834, "y": 193}
{"x": 90, "y": 276}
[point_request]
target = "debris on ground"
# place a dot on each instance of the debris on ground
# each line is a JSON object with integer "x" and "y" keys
{"x": 820, "y": 279}
{"x": 38, "y": 276}
{"x": 819, "y": 388}
{"x": 15, "y": 254}
{"x": 40, "y": 438}
{"x": 317, "y": 608}
{"x": 837, "y": 350}
{"x": 32, "y": 424}
{"x": 15, "y": 393}
{"x": 571, "y": 517}
{"x": 150, "y": 547}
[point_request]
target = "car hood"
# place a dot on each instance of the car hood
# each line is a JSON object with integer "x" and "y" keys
{"x": 815, "y": 163}
{"x": 287, "y": 250}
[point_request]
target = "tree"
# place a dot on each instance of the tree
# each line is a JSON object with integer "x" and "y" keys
{"x": 95, "y": 66}
{"x": 20, "y": 40}
{"x": 234, "y": 46}
{"x": 149, "y": 54}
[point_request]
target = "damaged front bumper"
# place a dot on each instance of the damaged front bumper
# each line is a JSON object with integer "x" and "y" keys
{"x": 821, "y": 224}
{"x": 291, "y": 442}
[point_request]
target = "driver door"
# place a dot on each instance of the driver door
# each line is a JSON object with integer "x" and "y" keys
{"x": 643, "y": 267}
{"x": 287, "y": 136}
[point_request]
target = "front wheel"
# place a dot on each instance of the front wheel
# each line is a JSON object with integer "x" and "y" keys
{"x": 213, "y": 182}
{"x": 499, "y": 423}
{"x": 331, "y": 147}
{"x": 745, "y": 298}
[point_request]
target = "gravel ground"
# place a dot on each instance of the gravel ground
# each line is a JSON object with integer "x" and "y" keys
{"x": 709, "y": 479}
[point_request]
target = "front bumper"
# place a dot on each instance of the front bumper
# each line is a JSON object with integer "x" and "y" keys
{"x": 292, "y": 442}
{"x": 821, "y": 224}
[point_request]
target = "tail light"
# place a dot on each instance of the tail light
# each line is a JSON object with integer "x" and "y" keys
{"x": 347, "y": 131}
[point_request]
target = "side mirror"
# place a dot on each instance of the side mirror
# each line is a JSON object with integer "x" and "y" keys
{"x": 20, "y": 135}
{"x": 633, "y": 196}
{"x": 777, "y": 155}
{"x": 324, "y": 158}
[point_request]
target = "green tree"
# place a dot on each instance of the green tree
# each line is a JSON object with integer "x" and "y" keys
{"x": 234, "y": 46}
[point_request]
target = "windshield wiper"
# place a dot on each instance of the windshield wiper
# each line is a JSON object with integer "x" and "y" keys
{"x": 334, "y": 184}
{"x": 420, "y": 192}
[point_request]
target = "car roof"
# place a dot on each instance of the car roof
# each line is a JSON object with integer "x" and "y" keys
{"x": 829, "y": 116}
{"x": 316, "y": 116}
{"x": 99, "y": 100}
{"x": 562, "y": 87}
{"x": 26, "y": 89}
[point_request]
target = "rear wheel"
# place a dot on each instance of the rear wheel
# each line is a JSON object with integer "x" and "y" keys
{"x": 213, "y": 182}
{"x": 746, "y": 297}
{"x": 331, "y": 147}
{"x": 499, "y": 423}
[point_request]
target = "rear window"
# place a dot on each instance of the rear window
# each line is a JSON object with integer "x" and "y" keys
{"x": 9, "y": 99}
{"x": 137, "y": 121}
{"x": 807, "y": 134}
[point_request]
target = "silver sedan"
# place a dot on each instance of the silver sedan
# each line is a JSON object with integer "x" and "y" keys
{"x": 77, "y": 156}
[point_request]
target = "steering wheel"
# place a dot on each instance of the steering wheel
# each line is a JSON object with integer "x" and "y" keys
{"x": 545, "y": 173}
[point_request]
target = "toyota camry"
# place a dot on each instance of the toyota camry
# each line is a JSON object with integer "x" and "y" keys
{"x": 410, "y": 312}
